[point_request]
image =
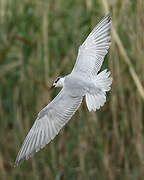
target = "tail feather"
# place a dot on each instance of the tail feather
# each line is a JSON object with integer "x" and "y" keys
{"x": 102, "y": 83}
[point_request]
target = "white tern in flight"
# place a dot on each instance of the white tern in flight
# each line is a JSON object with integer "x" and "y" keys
{"x": 85, "y": 80}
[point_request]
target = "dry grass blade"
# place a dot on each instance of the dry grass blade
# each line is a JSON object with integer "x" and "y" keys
{"x": 10, "y": 66}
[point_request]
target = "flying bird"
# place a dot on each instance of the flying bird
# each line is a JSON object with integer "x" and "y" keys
{"x": 85, "y": 80}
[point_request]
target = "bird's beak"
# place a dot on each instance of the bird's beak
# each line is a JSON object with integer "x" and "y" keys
{"x": 51, "y": 88}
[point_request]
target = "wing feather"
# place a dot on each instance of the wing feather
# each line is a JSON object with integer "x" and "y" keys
{"x": 92, "y": 52}
{"x": 48, "y": 124}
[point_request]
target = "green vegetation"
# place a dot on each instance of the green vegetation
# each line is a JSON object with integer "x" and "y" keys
{"x": 39, "y": 40}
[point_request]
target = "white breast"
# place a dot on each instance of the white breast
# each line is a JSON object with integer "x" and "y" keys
{"x": 77, "y": 85}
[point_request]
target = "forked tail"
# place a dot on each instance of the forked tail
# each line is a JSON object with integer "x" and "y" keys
{"x": 102, "y": 83}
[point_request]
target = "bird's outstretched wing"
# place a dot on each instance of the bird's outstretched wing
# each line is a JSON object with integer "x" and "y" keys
{"x": 48, "y": 123}
{"x": 95, "y": 47}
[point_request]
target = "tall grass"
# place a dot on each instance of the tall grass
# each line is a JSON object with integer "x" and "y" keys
{"x": 39, "y": 41}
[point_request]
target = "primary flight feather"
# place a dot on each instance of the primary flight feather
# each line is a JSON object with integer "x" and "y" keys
{"x": 84, "y": 80}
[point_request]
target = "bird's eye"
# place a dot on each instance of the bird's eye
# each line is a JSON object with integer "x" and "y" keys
{"x": 57, "y": 80}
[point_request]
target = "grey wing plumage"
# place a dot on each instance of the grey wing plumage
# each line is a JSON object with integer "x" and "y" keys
{"x": 95, "y": 47}
{"x": 48, "y": 124}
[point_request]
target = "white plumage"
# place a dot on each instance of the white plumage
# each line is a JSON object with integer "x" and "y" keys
{"x": 92, "y": 51}
{"x": 83, "y": 81}
{"x": 102, "y": 83}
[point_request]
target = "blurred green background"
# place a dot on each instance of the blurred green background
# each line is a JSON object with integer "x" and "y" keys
{"x": 39, "y": 40}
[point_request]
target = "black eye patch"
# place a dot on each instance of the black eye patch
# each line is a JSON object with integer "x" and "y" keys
{"x": 57, "y": 80}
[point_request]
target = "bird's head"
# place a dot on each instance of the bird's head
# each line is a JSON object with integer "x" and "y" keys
{"x": 59, "y": 82}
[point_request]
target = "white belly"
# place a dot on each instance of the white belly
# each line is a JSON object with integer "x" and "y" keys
{"x": 77, "y": 86}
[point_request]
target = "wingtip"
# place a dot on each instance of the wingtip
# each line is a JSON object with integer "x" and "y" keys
{"x": 109, "y": 14}
{"x": 20, "y": 159}
{"x": 17, "y": 162}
